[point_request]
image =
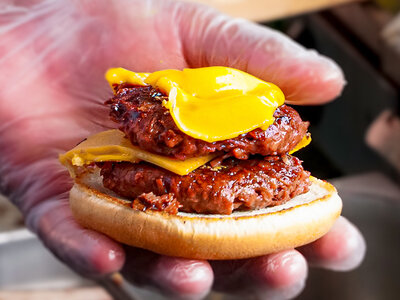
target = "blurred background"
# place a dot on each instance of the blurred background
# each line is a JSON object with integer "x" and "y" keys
{"x": 356, "y": 145}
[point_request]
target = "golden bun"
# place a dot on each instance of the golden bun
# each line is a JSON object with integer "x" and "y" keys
{"x": 300, "y": 221}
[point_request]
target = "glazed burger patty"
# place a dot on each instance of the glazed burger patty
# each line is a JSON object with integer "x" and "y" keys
{"x": 139, "y": 111}
{"x": 234, "y": 185}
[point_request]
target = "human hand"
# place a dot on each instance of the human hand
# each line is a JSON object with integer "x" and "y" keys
{"x": 53, "y": 57}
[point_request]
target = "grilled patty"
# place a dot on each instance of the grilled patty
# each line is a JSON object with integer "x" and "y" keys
{"x": 141, "y": 116}
{"x": 234, "y": 184}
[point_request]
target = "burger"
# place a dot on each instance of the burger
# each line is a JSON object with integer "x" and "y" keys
{"x": 200, "y": 167}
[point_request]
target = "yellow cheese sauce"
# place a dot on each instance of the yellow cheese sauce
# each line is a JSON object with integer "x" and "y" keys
{"x": 121, "y": 75}
{"x": 213, "y": 103}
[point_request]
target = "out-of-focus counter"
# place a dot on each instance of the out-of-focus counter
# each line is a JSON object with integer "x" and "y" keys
{"x": 268, "y": 10}
{"x": 10, "y": 217}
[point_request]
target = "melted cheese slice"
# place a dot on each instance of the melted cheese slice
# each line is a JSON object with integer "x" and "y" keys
{"x": 211, "y": 104}
{"x": 304, "y": 142}
{"x": 112, "y": 145}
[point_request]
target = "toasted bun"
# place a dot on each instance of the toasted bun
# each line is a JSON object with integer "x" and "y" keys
{"x": 302, "y": 220}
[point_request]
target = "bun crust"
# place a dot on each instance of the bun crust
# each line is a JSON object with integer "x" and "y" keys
{"x": 302, "y": 220}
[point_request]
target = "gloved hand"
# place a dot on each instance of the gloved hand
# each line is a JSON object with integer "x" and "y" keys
{"x": 53, "y": 55}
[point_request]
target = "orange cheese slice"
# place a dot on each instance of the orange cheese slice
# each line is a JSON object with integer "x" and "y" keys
{"x": 112, "y": 145}
{"x": 304, "y": 142}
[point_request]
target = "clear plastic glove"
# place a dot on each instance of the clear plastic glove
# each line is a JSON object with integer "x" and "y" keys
{"x": 53, "y": 55}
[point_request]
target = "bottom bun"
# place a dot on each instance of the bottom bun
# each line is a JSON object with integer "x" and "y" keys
{"x": 300, "y": 221}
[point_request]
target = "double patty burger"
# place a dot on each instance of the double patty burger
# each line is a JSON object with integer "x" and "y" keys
{"x": 200, "y": 167}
